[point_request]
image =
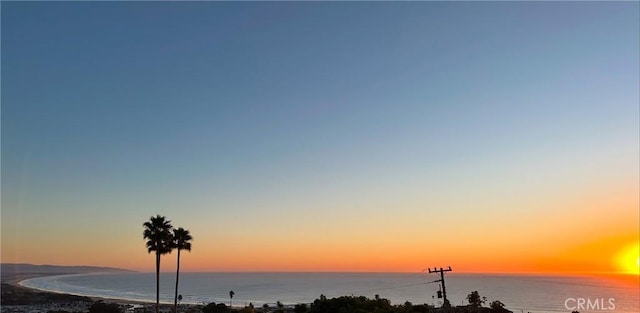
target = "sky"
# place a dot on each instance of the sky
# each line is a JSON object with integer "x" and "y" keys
{"x": 293, "y": 136}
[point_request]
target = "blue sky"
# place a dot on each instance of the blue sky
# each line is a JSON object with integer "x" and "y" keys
{"x": 233, "y": 112}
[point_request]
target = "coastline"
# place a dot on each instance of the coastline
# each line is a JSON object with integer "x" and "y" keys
{"x": 466, "y": 282}
{"x": 19, "y": 284}
{"x": 15, "y": 293}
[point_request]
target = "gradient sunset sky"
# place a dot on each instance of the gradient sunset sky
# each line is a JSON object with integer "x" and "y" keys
{"x": 492, "y": 137}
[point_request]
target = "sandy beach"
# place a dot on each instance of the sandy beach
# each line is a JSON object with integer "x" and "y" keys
{"x": 16, "y": 298}
{"x": 19, "y": 299}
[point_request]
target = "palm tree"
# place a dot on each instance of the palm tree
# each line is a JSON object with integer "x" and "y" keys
{"x": 157, "y": 231}
{"x": 231, "y": 293}
{"x": 181, "y": 241}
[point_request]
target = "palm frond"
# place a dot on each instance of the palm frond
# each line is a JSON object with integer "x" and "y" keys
{"x": 158, "y": 234}
{"x": 182, "y": 239}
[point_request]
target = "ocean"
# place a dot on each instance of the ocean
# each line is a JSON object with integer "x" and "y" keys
{"x": 519, "y": 293}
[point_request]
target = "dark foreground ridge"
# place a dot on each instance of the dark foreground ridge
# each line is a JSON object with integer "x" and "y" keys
{"x": 357, "y": 304}
{"x": 15, "y": 295}
{"x": 25, "y": 300}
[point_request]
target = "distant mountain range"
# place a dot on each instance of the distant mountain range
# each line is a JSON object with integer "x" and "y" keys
{"x": 23, "y": 268}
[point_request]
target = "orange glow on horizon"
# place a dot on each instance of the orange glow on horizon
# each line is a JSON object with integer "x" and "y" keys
{"x": 530, "y": 244}
{"x": 628, "y": 260}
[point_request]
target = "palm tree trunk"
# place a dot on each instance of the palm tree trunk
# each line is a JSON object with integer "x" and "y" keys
{"x": 157, "y": 282}
{"x": 175, "y": 300}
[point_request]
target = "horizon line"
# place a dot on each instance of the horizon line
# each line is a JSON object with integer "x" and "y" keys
{"x": 542, "y": 273}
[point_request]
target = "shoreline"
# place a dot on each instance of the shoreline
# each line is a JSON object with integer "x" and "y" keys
{"x": 77, "y": 303}
{"x": 13, "y": 282}
{"x": 94, "y": 298}
{"x": 48, "y": 300}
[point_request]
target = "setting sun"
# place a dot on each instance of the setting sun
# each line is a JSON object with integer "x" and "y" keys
{"x": 629, "y": 259}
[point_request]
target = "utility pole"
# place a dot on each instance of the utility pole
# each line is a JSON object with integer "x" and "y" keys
{"x": 446, "y": 303}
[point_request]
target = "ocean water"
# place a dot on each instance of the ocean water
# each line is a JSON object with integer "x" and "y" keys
{"x": 519, "y": 293}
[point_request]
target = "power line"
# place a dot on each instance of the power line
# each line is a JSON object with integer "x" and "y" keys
{"x": 394, "y": 287}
